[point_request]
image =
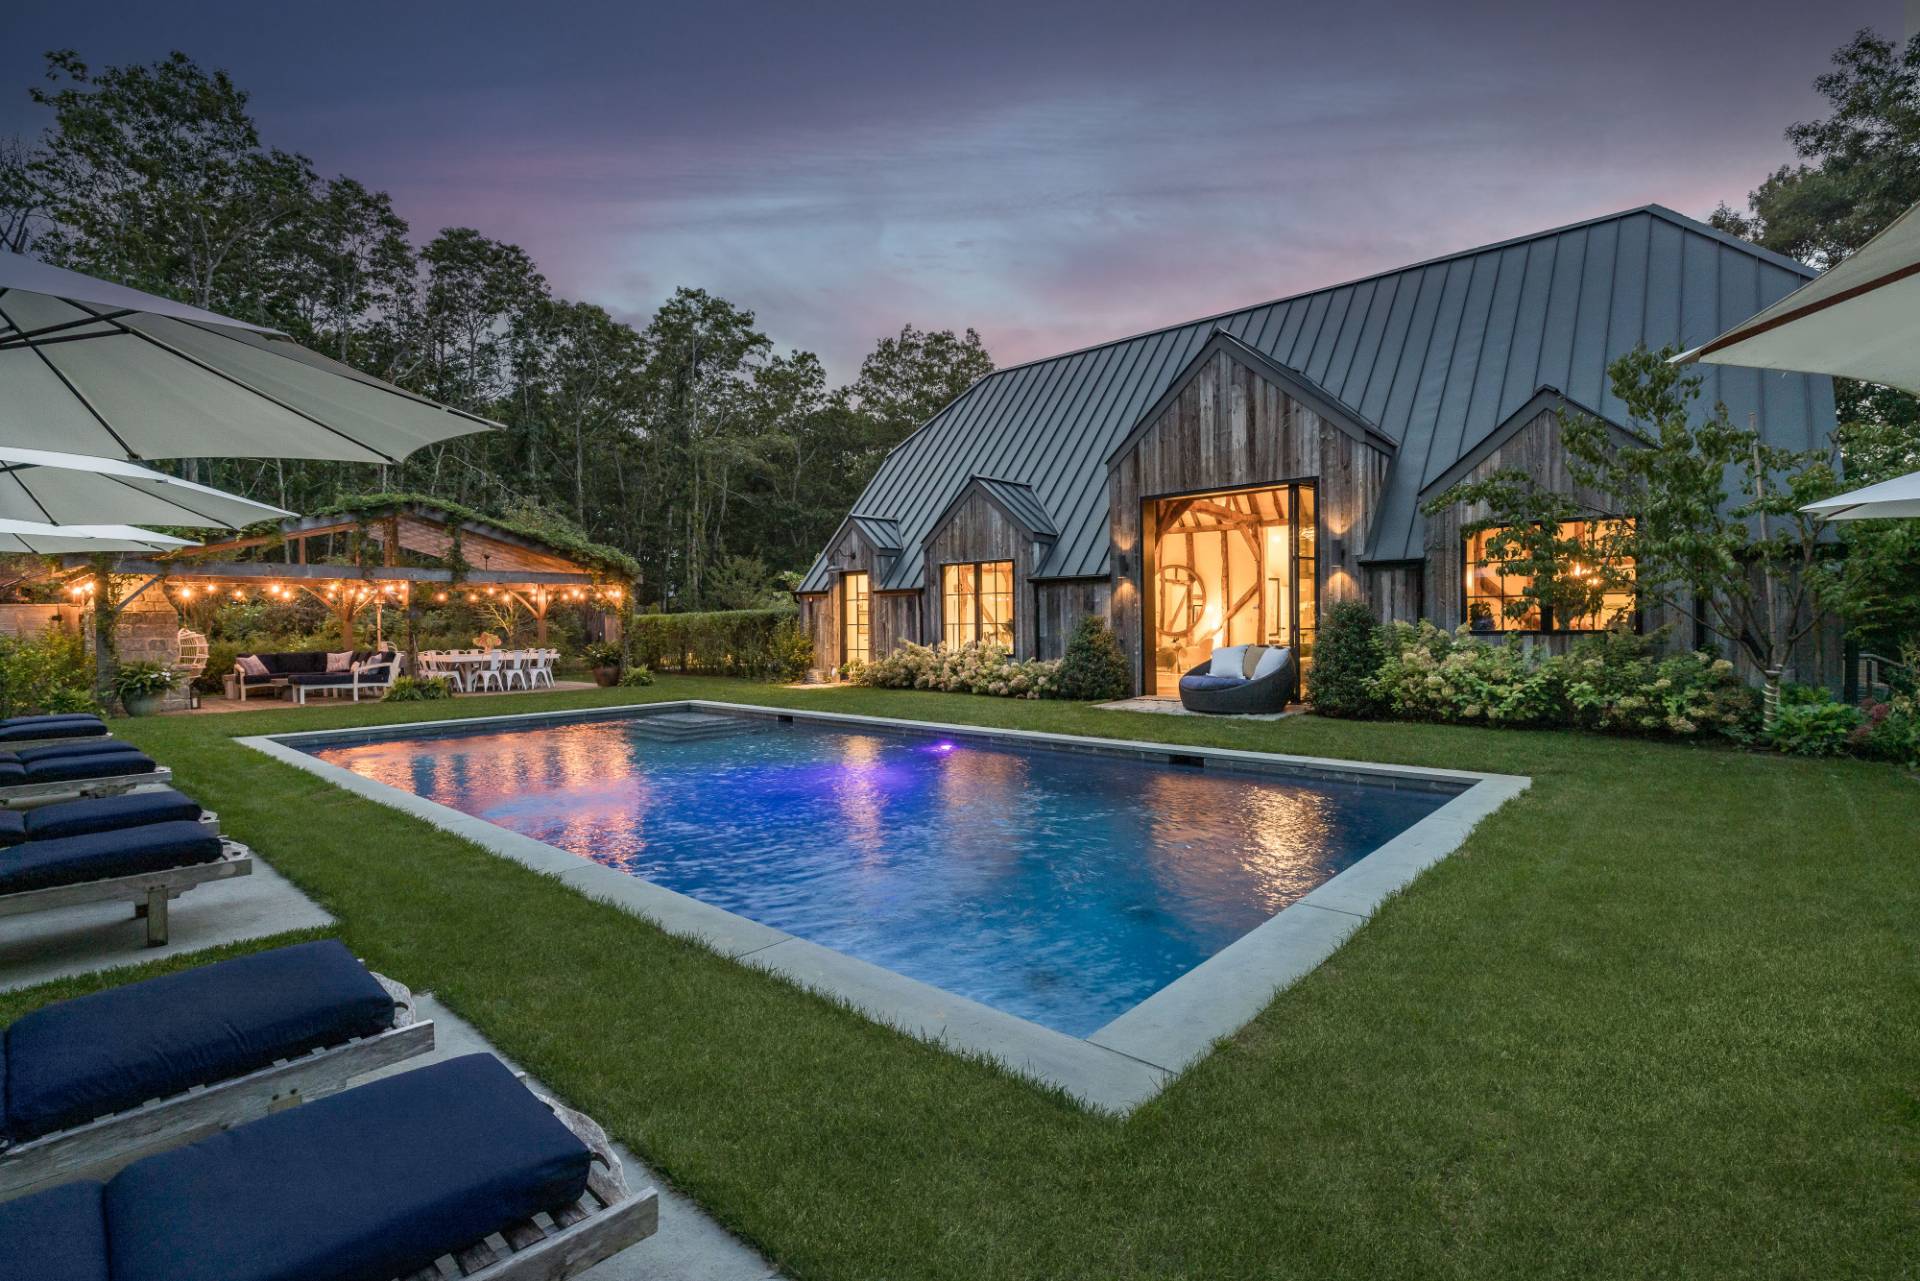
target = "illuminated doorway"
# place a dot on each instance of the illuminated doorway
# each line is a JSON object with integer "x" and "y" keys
{"x": 856, "y": 618}
{"x": 1232, "y": 567}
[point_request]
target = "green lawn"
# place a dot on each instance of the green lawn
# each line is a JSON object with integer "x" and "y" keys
{"x": 1659, "y": 1017}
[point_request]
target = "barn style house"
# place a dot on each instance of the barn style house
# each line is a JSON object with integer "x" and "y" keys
{"x": 1218, "y": 482}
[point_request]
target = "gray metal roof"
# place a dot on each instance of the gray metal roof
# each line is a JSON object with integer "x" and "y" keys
{"x": 1434, "y": 357}
{"x": 1022, "y": 503}
{"x": 883, "y": 532}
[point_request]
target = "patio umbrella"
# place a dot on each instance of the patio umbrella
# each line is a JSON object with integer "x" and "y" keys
{"x": 97, "y": 368}
{"x": 62, "y": 489}
{"x": 37, "y": 539}
{"x": 1861, "y": 319}
{"x": 1890, "y": 498}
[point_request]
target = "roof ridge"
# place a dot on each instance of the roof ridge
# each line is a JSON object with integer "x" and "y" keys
{"x": 1653, "y": 210}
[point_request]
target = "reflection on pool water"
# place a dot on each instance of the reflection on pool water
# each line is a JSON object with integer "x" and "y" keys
{"x": 1058, "y": 886}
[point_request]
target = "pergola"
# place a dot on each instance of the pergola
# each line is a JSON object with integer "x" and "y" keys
{"x": 385, "y": 541}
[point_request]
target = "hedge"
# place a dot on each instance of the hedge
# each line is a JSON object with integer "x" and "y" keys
{"x": 767, "y": 644}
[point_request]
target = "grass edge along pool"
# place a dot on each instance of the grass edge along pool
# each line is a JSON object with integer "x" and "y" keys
{"x": 1116, "y": 1067}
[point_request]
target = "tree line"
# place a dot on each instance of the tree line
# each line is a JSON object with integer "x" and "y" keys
{"x": 716, "y": 459}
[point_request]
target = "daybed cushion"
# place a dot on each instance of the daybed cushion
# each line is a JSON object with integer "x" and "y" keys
{"x": 56, "y": 1235}
{"x": 65, "y": 769}
{"x": 52, "y": 718}
{"x": 366, "y": 1185}
{"x": 97, "y": 814}
{"x": 1228, "y": 662}
{"x": 311, "y": 679}
{"x": 79, "y": 747}
{"x": 73, "y": 1061}
{"x": 1205, "y": 681}
{"x": 71, "y": 860}
{"x": 78, "y": 731}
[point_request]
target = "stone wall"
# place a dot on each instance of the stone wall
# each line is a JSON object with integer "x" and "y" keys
{"x": 149, "y": 632}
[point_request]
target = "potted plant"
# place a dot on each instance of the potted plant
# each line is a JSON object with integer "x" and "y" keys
{"x": 143, "y": 687}
{"x": 604, "y": 658}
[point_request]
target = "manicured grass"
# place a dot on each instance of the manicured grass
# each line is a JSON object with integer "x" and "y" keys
{"x": 1656, "y": 1018}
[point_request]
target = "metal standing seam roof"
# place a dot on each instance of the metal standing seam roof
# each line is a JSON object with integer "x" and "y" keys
{"x": 1434, "y": 357}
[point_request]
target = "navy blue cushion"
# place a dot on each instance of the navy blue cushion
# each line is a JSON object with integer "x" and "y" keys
{"x": 78, "y": 747}
{"x": 51, "y": 718}
{"x": 56, "y": 1235}
{"x": 320, "y": 678}
{"x": 1204, "y": 681}
{"x": 75, "y": 730}
{"x": 100, "y": 814}
{"x": 366, "y": 1185}
{"x": 13, "y": 827}
{"x": 65, "y": 769}
{"x": 93, "y": 1055}
{"x": 72, "y": 860}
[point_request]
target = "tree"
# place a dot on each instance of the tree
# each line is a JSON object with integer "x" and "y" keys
{"x": 1859, "y": 170}
{"x": 1710, "y": 528}
{"x": 910, "y": 377}
{"x": 156, "y": 176}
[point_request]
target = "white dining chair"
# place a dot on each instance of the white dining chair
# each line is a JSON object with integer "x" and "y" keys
{"x": 541, "y": 667}
{"x": 513, "y": 667}
{"x": 487, "y": 675}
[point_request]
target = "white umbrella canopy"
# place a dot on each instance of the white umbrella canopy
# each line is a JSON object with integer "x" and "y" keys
{"x": 96, "y": 368}
{"x": 65, "y": 489}
{"x": 36, "y": 539}
{"x": 1890, "y": 498}
{"x": 1859, "y": 320}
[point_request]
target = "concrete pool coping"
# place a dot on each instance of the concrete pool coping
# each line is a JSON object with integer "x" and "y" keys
{"x": 1116, "y": 1068}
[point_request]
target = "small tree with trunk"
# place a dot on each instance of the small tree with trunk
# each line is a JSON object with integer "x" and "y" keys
{"x": 1701, "y": 516}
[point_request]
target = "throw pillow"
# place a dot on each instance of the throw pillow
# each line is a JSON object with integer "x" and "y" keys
{"x": 1228, "y": 662}
{"x": 1270, "y": 661}
{"x": 1252, "y": 660}
{"x": 251, "y": 666}
{"x": 341, "y": 662}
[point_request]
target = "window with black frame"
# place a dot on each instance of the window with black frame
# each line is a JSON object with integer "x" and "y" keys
{"x": 1498, "y": 598}
{"x": 976, "y": 603}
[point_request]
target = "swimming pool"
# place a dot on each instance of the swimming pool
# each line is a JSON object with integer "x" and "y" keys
{"x": 1058, "y": 882}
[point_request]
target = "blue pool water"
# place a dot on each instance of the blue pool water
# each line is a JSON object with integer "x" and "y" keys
{"x": 1061, "y": 887}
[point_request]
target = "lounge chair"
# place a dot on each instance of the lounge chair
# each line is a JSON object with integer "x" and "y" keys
{"x": 98, "y": 1081}
{"x": 63, "y": 727}
{"x": 148, "y": 866}
{"x": 102, "y": 814}
{"x": 38, "y": 775}
{"x": 1242, "y": 680}
{"x": 382, "y": 1181}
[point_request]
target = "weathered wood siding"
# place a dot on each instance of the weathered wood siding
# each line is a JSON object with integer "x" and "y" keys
{"x": 1058, "y": 608}
{"x": 1395, "y": 591}
{"x": 896, "y": 620}
{"x": 977, "y": 530}
{"x": 1230, "y": 428}
{"x": 850, "y": 552}
{"x": 820, "y": 615}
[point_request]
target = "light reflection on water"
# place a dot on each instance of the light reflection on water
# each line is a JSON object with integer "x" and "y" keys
{"x": 1060, "y": 887}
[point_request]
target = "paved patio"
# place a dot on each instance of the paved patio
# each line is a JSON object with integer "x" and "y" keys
{"x": 214, "y": 703}
{"x": 1169, "y": 705}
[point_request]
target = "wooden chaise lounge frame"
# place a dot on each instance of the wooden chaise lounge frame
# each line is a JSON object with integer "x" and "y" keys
{"x": 26, "y": 795}
{"x": 605, "y": 1221}
{"x": 96, "y": 1149}
{"x": 150, "y": 892}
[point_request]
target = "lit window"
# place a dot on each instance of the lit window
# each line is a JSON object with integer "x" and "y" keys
{"x": 1497, "y": 599}
{"x": 976, "y": 603}
{"x": 857, "y": 599}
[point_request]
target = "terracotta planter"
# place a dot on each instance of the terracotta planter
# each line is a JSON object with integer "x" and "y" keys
{"x": 605, "y": 676}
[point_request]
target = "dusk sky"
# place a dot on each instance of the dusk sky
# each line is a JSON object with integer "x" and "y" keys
{"x": 1053, "y": 175}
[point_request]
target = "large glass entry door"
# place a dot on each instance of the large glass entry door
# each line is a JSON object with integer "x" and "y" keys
{"x": 856, "y": 618}
{"x": 1235, "y": 567}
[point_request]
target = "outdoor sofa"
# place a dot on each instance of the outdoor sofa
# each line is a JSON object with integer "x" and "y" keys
{"x": 1242, "y": 680}
{"x": 381, "y": 1181}
{"x": 101, "y": 1080}
{"x": 306, "y": 672}
{"x": 61, "y": 727}
{"x": 149, "y": 866}
{"x": 90, "y": 767}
